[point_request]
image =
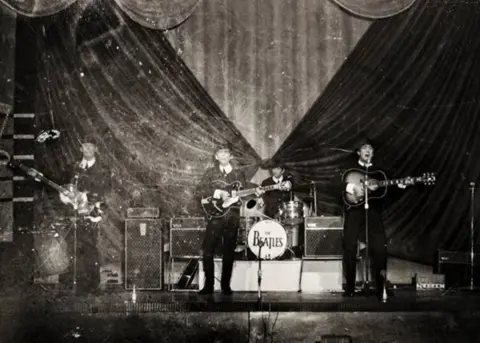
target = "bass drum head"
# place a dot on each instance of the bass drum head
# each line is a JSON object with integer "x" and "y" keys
{"x": 273, "y": 237}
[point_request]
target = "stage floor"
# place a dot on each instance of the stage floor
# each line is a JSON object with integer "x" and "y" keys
{"x": 120, "y": 301}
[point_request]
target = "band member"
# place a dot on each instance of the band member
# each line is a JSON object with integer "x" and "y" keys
{"x": 272, "y": 200}
{"x": 223, "y": 228}
{"x": 92, "y": 179}
{"x": 354, "y": 225}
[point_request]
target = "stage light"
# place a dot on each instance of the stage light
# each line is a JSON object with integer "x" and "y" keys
{"x": 334, "y": 339}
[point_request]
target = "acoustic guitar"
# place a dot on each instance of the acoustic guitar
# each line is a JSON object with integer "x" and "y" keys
{"x": 377, "y": 177}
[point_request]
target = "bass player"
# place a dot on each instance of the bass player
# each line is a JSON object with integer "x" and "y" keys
{"x": 93, "y": 178}
{"x": 222, "y": 229}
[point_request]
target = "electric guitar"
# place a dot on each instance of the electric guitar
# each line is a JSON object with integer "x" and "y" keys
{"x": 69, "y": 193}
{"x": 217, "y": 207}
{"x": 376, "y": 177}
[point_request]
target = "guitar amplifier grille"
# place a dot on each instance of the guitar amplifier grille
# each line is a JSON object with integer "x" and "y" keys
{"x": 186, "y": 237}
{"x": 323, "y": 237}
{"x": 143, "y": 254}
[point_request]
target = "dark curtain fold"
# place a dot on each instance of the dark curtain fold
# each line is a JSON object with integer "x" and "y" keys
{"x": 124, "y": 87}
{"x": 412, "y": 84}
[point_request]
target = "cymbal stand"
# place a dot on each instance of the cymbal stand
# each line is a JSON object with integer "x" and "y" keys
{"x": 366, "y": 280}
{"x": 313, "y": 191}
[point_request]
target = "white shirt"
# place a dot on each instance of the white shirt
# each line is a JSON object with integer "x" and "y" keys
{"x": 226, "y": 169}
{"x": 280, "y": 179}
{"x": 84, "y": 164}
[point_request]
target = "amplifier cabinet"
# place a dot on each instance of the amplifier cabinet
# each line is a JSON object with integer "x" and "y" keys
{"x": 186, "y": 237}
{"x": 456, "y": 266}
{"x": 143, "y": 254}
{"x": 323, "y": 237}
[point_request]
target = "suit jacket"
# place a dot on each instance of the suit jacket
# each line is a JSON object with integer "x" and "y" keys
{"x": 273, "y": 199}
{"x": 214, "y": 179}
{"x": 96, "y": 180}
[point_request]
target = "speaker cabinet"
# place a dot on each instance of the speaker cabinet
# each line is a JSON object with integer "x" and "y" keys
{"x": 323, "y": 237}
{"x": 143, "y": 254}
{"x": 186, "y": 237}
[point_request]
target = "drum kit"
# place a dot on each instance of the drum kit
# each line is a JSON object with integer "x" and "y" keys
{"x": 279, "y": 237}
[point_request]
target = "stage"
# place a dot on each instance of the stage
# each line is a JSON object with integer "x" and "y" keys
{"x": 49, "y": 314}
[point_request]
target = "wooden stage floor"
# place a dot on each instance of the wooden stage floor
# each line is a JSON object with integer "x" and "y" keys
{"x": 120, "y": 301}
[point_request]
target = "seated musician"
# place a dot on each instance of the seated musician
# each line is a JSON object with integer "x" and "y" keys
{"x": 223, "y": 228}
{"x": 272, "y": 200}
{"x": 92, "y": 179}
{"x": 355, "y": 222}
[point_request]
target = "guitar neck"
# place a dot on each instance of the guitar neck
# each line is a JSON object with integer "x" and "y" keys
{"x": 251, "y": 191}
{"x": 37, "y": 175}
{"x": 394, "y": 182}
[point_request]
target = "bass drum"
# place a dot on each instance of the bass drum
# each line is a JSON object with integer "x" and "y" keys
{"x": 267, "y": 239}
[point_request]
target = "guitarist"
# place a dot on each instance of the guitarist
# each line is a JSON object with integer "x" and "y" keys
{"x": 222, "y": 229}
{"x": 354, "y": 225}
{"x": 94, "y": 179}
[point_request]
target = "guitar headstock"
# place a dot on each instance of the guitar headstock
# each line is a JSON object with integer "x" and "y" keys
{"x": 428, "y": 179}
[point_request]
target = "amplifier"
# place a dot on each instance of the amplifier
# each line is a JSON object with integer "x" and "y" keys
{"x": 186, "y": 237}
{"x": 323, "y": 237}
{"x": 143, "y": 254}
{"x": 143, "y": 212}
{"x": 456, "y": 265}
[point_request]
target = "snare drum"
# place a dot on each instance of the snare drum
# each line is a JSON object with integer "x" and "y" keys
{"x": 291, "y": 212}
{"x": 273, "y": 237}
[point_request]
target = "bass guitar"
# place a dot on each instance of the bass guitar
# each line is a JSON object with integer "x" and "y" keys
{"x": 376, "y": 177}
{"x": 69, "y": 193}
{"x": 231, "y": 194}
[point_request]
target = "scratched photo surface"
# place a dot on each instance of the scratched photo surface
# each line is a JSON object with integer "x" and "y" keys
{"x": 158, "y": 86}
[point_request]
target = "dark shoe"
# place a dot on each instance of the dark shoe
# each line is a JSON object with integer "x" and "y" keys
{"x": 227, "y": 291}
{"x": 206, "y": 290}
{"x": 348, "y": 294}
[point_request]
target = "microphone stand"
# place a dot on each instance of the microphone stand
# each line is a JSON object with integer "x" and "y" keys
{"x": 74, "y": 287}
{"x": 259, "y": 274}
{"x": 366, "y": 281}
{"x": 471, "y": 287}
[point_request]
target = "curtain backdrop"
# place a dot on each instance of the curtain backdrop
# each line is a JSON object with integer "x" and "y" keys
{"x": 412, "y": 84}
{"x": 125, "y": 89}
{"x": 157, "y": 14}
{"x": 164, "y": 14}
{"x": 375, "y": 9}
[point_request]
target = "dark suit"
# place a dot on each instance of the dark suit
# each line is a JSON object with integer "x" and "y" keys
{"x": 221, "y": 230}
{"x": 95, "y": 180}
{"x": 273, "y": 199}
{"x": 354, "y": 230}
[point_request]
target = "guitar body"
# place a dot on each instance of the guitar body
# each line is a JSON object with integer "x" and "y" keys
{"x": 217, "y": 208}
{"x": 357, "y": 177}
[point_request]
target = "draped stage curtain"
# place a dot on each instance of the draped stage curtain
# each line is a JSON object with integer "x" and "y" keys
{"x": 375, "y": 9}
{"x": 126, "y": 89}
{"x": 157, "y": 14}
{"x": 412, "y": 83}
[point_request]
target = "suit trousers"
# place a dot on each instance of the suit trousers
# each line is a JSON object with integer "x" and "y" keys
{"x": 220, "y": 232}
{"x": 354, "y": 229}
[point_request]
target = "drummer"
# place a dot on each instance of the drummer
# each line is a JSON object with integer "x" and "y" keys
{"x": 272, "y": 200}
